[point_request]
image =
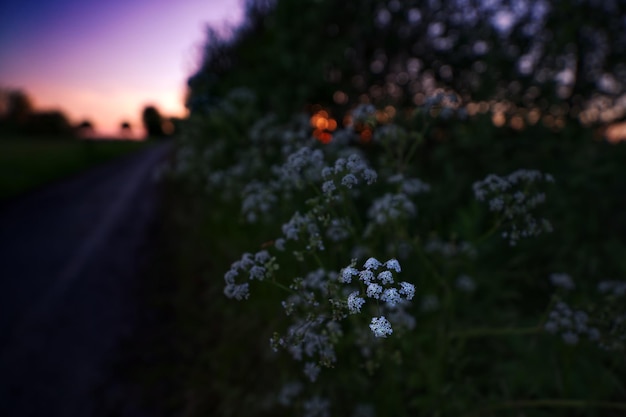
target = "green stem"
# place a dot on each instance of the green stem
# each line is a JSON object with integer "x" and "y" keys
{"x": 318, "y": 260}
{"x": 351, "y": 209}
{"x": 332, "y": 210}
{"x": 281, "y": 286}
{"x": 411, "y": 152}
{"x": 443, "y": 341}
{"x": 490, "y": 232}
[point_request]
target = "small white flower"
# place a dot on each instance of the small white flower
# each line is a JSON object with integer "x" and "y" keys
{"x": 381, "y": 327}
{"x": 246, "y": 261}
{"x": 414, "y": 186}
{"x": 496, "y": 204}
{"x": 340, "y": 165}
{"x": 328, "y": 187}
{"x": 349, "y": 180}
{"x": 327, "y": 172}
{"x": 374, "y": 290}
{"x": 280, "y": 244}
{"x": 347, "y": 274}
{"x": 391, "y": 297}
{"x": 257, "y": 272}
{"x": 262, "y": 257}
{"x": 393, "y": 264}
{"x": 370, "y": 176}
{"x": 407, "y": 289}
{"x": 230, "y": 275}
{"x": 366, "y": 276}
{"x": 355, "y": 164}
{"x": 385, "y": 277}
{"x": 355, "y": 302}
{"x": 238, "y": 292}
{"x": 551, "y": 327}
{"x": 311, "y": 370}
{"x": 372, "y": 263}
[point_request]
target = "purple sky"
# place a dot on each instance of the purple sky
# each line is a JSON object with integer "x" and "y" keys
{"x": 105, "y": 60}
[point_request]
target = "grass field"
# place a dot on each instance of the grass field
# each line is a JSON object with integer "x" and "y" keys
{"x": 27, "y": 164}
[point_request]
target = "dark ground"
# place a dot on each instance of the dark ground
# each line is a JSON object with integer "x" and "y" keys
{"x": 70, "y": 257}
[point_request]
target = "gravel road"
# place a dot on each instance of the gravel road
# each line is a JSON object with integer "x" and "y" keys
{"x": 69, "y": 257}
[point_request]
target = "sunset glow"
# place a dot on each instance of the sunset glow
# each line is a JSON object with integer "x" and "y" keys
{"x": 105, "y": 61}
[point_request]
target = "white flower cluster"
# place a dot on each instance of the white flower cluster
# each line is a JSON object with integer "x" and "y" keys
{"x": 377, "y": 279}
{"x": 570, "y": 324}
{"x": 563, "y": 281}
{"x": 313, "y": 337}
{"x": 612, "y": 315}
{"x": 347, "y": 172}
{"x": 510, "y": 197}
{"x": 256, "y": 267}
{"x": 257, "y": 200}
{"x": 381, "y": 327}
{"x": 388, "y": 209}
{"x": 338, "y": 229}
{"x": 313, "y": 332}
{"x": 614, "y": 288}
{"x": 300, "y": 225}
{"x": 302, "y": 166}
{"x": 409, "y": 186}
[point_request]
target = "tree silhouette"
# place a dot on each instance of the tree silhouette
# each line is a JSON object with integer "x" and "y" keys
{"x": 19, "y": 106}
{"x": 49, "y": 123}
{"x": 152, "y": 122}
{"x": 125, "y": 129}
{"x": 85, "y": 128}
{"x": 16, "y": 108}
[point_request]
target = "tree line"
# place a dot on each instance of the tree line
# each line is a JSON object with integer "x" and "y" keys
{"x": 18, "y": 116}
{"x": 564, "y": 55}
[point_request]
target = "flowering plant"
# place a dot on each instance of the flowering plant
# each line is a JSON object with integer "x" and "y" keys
{"x": 372, "y": 292}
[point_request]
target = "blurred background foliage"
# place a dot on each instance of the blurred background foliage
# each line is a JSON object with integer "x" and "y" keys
{"x": 564, "y": 56}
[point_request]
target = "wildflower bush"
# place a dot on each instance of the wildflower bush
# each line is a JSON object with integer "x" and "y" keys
{"x": 420, "y": 266}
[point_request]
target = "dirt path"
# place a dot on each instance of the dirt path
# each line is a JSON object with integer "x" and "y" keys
{"x": 68, "y": 261}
